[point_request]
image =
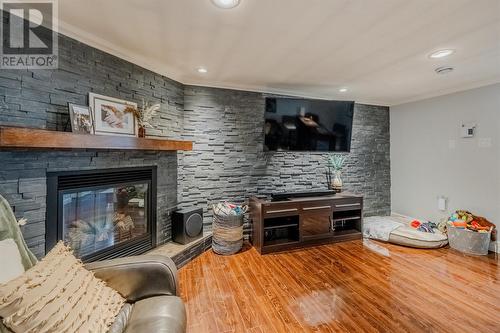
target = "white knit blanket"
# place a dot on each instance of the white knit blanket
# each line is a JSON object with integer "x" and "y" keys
{"x": 379, "y": 227}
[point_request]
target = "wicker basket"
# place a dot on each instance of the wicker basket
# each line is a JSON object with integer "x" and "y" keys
{"x": 227, "y": 235}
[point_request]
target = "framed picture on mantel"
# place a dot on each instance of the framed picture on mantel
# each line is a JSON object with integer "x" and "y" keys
{"x": 111, "y": 116}
{"x": 81, "y": 119}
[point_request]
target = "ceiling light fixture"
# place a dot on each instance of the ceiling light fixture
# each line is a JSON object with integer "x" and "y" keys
{"x": 343, "y": 90}
{"x": 202, "y": 70}
{"x": 444, "y": 70}
{"x": 226, "y": 4}
{"x": 441, "y": 54}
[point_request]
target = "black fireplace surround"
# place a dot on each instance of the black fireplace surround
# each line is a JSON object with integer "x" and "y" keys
{"x": 102, "y": 214}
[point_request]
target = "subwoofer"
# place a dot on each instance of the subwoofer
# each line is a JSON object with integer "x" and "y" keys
{"x": 187, "y": 225}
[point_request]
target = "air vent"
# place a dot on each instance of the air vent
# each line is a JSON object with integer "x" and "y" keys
{"x": 444, "y": 70}
{"x": 77, "y": 179}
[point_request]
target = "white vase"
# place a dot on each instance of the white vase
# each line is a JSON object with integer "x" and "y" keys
{"x": 337, "y": 181}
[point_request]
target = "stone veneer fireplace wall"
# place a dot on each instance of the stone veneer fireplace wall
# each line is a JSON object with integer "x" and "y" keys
{"x": 227, "y": 161}
{"x": 23, "y": 182}
{"x": 38, "y": 98}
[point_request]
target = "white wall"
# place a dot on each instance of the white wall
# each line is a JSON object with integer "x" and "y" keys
{"x": 429, "y": 158}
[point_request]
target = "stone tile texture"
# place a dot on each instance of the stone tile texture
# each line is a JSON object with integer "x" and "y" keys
{"x": 39, "y": 99}
{"x": 227, "y": 163}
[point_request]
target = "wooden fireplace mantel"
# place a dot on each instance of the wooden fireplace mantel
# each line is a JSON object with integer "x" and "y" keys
{"x": 29, "y": 138}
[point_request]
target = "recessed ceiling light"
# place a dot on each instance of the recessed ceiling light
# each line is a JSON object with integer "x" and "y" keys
{"x": 343, "y": 90}
{"x": 441, "y": 54}
{"x": 202, "y": 70}
{"x": 226, "y": 4}
{"x": 444, "y": 70}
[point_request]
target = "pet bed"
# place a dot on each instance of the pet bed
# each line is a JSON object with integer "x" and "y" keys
{"x": 396, "y": 229}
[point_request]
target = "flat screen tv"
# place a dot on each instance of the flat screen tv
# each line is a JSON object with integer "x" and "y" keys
{"x": 294, "y": 124}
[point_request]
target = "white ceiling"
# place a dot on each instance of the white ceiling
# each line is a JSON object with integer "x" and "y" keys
{"x": 377, "y": 48}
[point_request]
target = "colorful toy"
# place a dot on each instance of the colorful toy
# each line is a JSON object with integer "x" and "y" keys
{"x": 427, "y": 227}
{"x": 465, "y": 219}
{"x": 459, "y": 224}
{"x": 415, "y": 224}
{"x": 423, "y": 226}
{"x": 476, "y": 226}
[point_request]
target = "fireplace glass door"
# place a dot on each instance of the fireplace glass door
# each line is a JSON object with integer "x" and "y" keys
{"x": 101, "y": 218}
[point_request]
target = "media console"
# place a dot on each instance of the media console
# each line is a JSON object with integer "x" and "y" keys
{"x": 304, "y": 221}
{"x": 285, "y": 196}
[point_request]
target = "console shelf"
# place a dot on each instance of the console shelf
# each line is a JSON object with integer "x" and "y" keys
{"x": 37, "y": 139}
{"x": 281, "y": 242}
{"x": 346, "y": 218}
{"x": 347, "y": 232}
{"x": 299, "y": 222}
{"x": 280, "y": 226}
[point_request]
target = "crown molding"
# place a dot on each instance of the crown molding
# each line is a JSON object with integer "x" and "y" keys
{"x": 159, "y": 68}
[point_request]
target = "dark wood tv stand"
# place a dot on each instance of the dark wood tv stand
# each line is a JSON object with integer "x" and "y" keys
{"x": 300, "y": 222}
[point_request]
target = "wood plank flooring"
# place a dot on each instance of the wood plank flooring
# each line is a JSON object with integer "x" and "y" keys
{"x": 358, "y": 286}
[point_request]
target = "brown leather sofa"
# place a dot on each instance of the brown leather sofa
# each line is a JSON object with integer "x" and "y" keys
{"x": 149, "y": 283}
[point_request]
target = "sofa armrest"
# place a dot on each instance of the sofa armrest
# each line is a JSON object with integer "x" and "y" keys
{"x": 139, "y": 277}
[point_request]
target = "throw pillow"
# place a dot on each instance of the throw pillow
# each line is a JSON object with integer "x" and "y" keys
{"x": 10, "y": 260}
{"x": 58, "y": 295}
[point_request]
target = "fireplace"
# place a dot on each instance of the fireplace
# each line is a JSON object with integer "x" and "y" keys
{"x": 102, "y": 214}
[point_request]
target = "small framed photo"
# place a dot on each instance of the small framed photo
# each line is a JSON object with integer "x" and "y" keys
{"x": 110, "y": 116}
{"x": 81, "y": 119}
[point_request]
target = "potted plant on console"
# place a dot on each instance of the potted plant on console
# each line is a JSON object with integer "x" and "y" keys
{"x": 335, "y": 164}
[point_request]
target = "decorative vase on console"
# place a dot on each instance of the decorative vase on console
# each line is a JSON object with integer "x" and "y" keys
{"x": 337, "y": 181}
{"x": 335, "y": 165}
{"x": 144, "y": 116}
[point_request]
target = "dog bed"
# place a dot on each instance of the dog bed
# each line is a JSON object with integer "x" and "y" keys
{"x": 396, "y": 229}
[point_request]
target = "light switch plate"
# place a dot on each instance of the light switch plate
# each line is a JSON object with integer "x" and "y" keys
{"x": 468, "y": 130}
{"x": 442, "y": 203}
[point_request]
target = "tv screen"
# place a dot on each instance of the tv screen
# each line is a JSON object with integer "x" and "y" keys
{"x": 308, "y": 125}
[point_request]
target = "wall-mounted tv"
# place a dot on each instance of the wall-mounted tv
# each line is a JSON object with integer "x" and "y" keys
{"x": 294, "y": 124}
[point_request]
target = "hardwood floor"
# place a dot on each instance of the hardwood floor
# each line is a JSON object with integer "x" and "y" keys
{"x": 347, "y": 287}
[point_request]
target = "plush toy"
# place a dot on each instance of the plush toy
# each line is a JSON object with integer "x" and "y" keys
{"x": 423, "y": 226}
{"x": 484, "y": 223}
{"x": 443, "y": 224}
{"x": 459, "y": 224}
{"x": 465, "y": 219}
{"x": 464, "y": 215}
{"x": 427, "y": 227}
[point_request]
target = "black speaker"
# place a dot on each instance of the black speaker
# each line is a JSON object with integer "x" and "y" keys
{"x": 187, "y": 225}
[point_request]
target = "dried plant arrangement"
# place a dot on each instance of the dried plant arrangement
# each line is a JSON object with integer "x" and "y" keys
{"x": 144, "y": 115}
